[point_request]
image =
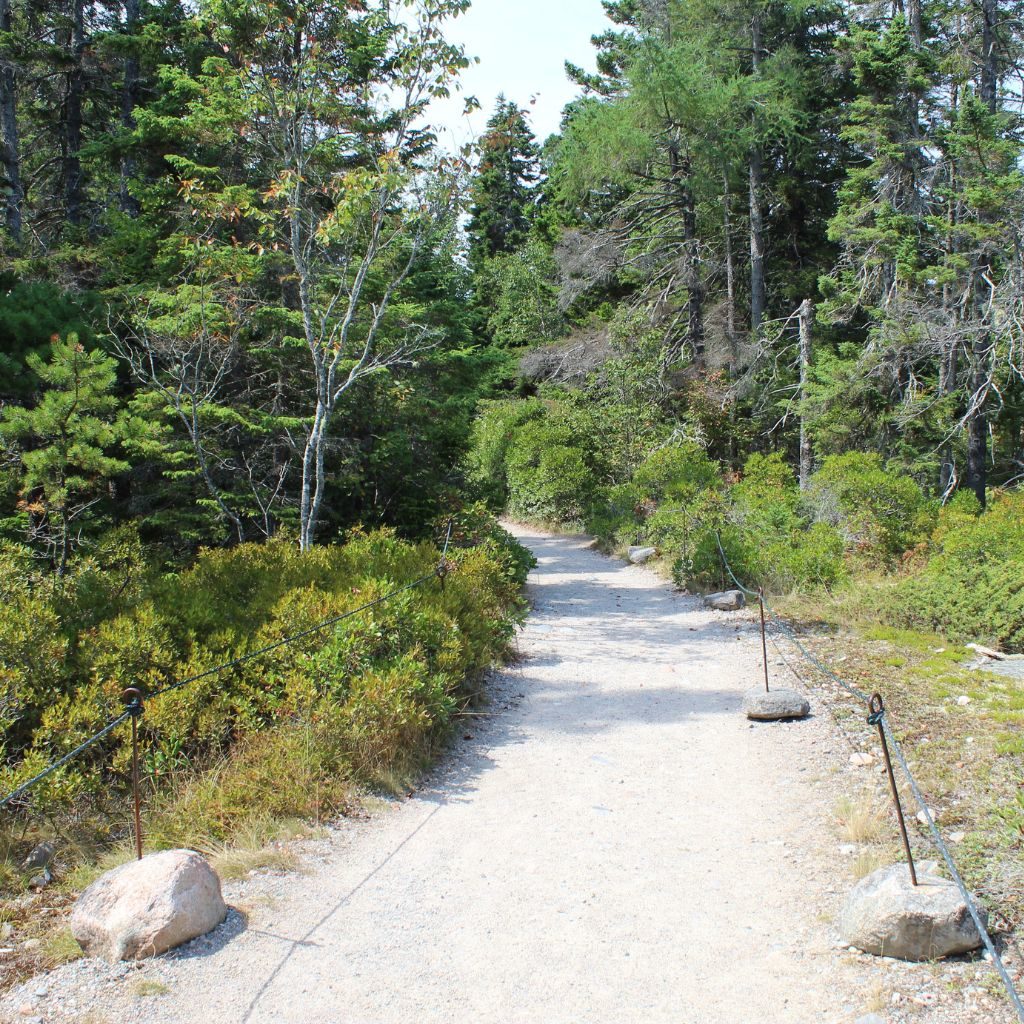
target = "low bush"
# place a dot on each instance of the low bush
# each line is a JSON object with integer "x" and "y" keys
{"x": 551, "y": 475}
{"x": 493, "y": 433}
{"x": 878, "y": 512}
{"x": 363, "y": 700}
{"x": 972, "y": 586}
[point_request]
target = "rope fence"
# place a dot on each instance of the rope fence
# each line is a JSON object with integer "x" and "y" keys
{"x": 879, "y": 716}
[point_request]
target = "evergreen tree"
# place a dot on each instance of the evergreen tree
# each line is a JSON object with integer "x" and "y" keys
{"x": 66, "y": 441}
{"x": 503, "y": 194}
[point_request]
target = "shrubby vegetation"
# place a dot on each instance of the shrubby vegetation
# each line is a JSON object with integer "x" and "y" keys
{"x": 956, "y": 570}
{"x": 285, "y": 734}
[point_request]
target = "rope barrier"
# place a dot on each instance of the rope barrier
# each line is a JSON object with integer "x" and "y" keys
{"x": 935, "y": 835}
{"x": 81, "y": 748}
{"x": 438, "y": 572}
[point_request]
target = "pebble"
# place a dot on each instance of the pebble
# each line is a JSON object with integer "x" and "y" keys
{"x": 963, "y": 700}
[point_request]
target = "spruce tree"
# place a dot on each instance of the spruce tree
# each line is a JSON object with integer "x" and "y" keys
{"x": 503, "y": 192}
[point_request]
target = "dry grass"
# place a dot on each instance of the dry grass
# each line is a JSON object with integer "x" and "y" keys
{"x": 870, "y": 860}
{"x": 862, "y": 819}
{"x": 877, "y": 997}
{"x": 968, "y": 758}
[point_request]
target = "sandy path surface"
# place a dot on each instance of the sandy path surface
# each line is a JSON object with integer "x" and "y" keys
{"x": 616, "y": 844}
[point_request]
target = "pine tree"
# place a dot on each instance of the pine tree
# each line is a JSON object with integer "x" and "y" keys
{"x": 67, "y": 440}
{"x": 504, "y": 190}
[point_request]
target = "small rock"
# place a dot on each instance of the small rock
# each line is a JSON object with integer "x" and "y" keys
{"x": 775, "y": 706}
{"x": 640, "y": 555}
{"x": 148, "y": 906}
{"x": 888, "y": 916}
{"x": 40, "y": 857}
{"x": 956, "y": 837}
{"x": 31, "y": 944}
{"x": 40, "y": 881}
{"x": 725, "y": 601}
{"x": 871, "y": 1018}
{"x": 862, "y": 759}
{"x": 923, "y": 818}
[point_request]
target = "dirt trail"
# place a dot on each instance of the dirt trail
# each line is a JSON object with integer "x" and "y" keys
{"x": 616, "y": 845}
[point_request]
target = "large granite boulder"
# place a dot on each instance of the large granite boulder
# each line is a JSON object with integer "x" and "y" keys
{"x": 726, "y": 601}
{"x": 775, "y": 706}
{"x": 148, "y": 906}
{"x": 887, "y": 915}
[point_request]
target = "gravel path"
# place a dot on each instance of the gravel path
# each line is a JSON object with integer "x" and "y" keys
{"x": 615, "y": 844}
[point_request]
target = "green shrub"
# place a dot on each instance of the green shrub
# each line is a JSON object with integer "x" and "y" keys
{"x": 676, "y": 473}
{"x": 493, "y": 432}
{"x": 877, "y": 511}
{"x": 972, "y": 588}
{"x": 550, "y": 475}
{"x": 370, "y": 694}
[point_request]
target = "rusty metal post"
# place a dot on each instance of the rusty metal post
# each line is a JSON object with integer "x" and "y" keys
{"x": 764, "y": 641}
{"x": 877, "y": 709}
{"x": 133, "y": 699}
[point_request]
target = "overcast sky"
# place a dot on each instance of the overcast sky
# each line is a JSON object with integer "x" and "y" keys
{"x": 523, "y": 46}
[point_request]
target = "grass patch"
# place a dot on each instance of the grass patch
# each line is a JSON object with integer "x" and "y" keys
{"x": 868, "y": 861}
{"x": 61, "y": 947}
{"x": 146, "y": 987}
{"x": 862, "y": 820}
{"x": 968, "y": 758}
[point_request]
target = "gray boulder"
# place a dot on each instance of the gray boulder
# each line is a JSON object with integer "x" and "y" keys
{"x": 775, "y": 706}
{"x": 726, "y": 601}
{"x": 888, "y": 916}
{"x": 148, "y": 906}
{"x": 640, "y": 555}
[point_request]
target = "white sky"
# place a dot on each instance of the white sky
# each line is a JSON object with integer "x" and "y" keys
{"x": 522, "y": 46}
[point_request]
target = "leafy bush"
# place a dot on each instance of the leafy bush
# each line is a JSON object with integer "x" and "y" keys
{"x": 371, "y": 694}
{"x": 550, "y": 474}
{"x": 676, "y": 473}
{"x": 493, "y": 431}
{"x": 972, "y": 588}
{"x": 876, "y": 511}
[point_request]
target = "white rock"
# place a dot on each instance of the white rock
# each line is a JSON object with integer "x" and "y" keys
{"x": 148, "y": 906}
{"x": 640, "y": 555}
{"x": 775, "y": 706}
{"x": 963, "y": 700}
{"x": 726, "y": 601}
{"x": 888, "y": 916}
{"x": 862, "y": 759}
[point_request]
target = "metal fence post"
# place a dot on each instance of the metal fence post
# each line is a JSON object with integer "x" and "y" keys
{"x": 877, "y": 709}
{"x": 133, "y": 699}
{"x": 764, "y": 642}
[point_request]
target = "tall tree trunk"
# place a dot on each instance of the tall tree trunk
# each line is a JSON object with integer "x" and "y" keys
{"x": 756, "y": 169}
{"x": 977, "y": 428}
{"x": 806, "y": 355}
{"x": 682, "y": 175}
{"x": 989, "y": 78}
{"x": 74, "y": 97}
{"x": 9, "y": 140}
{"x": 129, "y": 99}
{"x": 730, "y": 278}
